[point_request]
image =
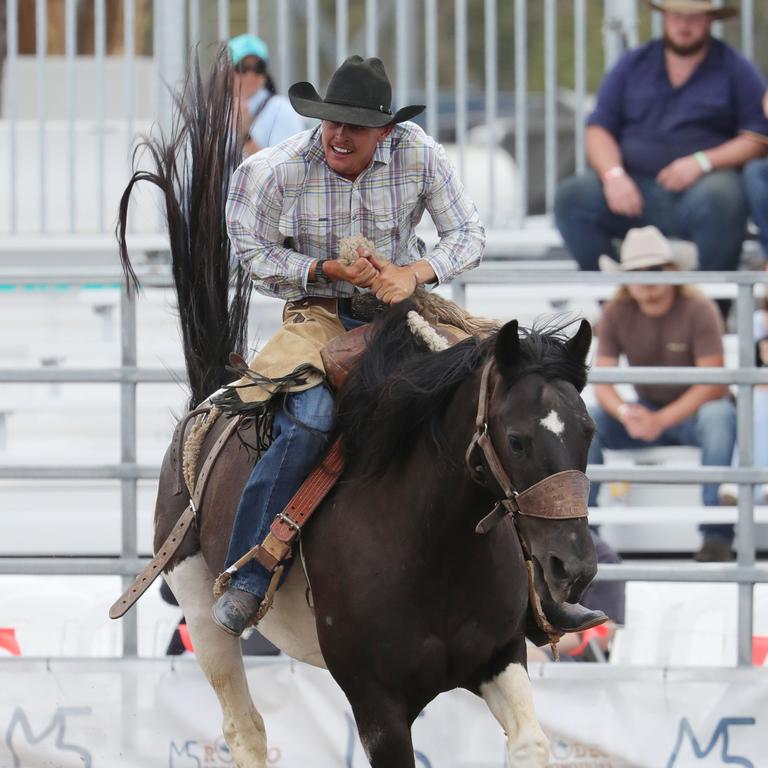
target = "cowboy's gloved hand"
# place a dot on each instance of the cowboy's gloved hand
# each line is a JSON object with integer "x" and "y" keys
{"x": 680, "y": 174}
{"x": 361, "y": 272}
{"x": 393, "y": 284}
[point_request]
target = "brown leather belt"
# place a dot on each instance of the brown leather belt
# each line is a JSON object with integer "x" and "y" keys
{"x": 329, "y": 304}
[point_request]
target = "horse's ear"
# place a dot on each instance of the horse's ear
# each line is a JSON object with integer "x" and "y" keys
{"x": 507, "y": 349}
{"x": 579, "y": 344}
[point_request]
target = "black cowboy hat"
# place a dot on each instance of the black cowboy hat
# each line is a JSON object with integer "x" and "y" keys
{"x": 359, "y": 93}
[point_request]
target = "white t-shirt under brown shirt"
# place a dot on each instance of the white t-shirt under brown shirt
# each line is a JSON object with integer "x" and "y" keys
{"x": 692, "y": 329}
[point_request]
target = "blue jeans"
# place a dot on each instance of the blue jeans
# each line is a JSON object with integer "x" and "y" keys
{"x": 712, "y": 213}
{"x": 712, "y": 428}
{"x": 299, "y": 439}
{"x": 755, "y": 176}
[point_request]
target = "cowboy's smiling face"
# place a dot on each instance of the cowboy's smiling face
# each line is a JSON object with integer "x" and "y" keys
{"x": 349, "y": 149}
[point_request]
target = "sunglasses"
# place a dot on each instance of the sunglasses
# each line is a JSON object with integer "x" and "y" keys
{"x": 256, "y": 69}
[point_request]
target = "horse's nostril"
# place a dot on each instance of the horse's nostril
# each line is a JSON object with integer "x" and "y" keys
{"x": 557, "y": 568}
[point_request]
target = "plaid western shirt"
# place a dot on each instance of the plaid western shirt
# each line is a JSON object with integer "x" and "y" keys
{"x": 289, "y": 191}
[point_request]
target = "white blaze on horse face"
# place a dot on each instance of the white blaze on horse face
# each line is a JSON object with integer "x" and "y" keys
{"x": 553, "y": 423}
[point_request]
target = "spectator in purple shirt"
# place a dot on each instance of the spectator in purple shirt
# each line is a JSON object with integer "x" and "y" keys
{"x": 675, "y": 121}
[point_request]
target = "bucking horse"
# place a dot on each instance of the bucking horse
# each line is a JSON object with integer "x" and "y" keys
{"x": 463, "y": 486}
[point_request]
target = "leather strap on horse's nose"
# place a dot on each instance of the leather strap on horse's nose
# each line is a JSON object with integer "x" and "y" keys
{"x": 560, "y": 496}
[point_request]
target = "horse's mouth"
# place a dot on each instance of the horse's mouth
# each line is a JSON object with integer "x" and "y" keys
{"x": 552, "y": 587}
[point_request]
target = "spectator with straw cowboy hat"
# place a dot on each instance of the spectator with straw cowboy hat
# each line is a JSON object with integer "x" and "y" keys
{"x": 664, "y": 325}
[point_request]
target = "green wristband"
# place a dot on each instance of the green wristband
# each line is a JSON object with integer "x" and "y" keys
{"x": 703, "y": 161}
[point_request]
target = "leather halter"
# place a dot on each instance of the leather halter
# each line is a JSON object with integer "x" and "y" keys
{"x": 560, "y": 496}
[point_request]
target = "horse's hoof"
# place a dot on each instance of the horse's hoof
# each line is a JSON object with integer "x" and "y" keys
{"x": 235, "y": 610}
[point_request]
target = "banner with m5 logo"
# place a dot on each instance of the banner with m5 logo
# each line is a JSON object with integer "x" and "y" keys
{"x": 154, "y": 713}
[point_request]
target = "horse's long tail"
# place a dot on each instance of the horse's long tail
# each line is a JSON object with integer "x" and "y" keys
{"x": 192, "y": 167}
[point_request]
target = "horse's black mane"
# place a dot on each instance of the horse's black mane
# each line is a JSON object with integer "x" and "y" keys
{"x": 400, "y": 388}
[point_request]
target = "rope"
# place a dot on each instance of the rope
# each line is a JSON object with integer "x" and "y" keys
{"x": 421, "y": 328}
{"x": 193, "y": 445}
{"x": 433, "y": 306}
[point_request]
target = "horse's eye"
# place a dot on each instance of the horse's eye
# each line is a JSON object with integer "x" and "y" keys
{"x": 515, "y": 444}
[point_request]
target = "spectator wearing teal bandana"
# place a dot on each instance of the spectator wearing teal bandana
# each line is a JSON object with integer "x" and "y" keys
{"x": 266, "y": 118}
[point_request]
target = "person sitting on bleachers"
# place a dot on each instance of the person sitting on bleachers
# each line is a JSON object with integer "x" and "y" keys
{"x": 664, "y": 325}
{"x": 675, "y": 120}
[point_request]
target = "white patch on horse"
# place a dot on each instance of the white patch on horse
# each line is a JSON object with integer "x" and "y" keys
{"x": 553, "y": 423}
{"x": 509, "y": 698}
{"x": 220, "y": 658}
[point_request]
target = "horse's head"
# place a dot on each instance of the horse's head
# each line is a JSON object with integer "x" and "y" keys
{"x": 539, "y": 426}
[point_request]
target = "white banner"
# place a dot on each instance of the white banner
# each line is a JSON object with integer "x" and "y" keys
{"x": 157, "y": 714}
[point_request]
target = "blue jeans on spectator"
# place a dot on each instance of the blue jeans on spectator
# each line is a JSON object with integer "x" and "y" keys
{"x": 712, "y": 213}
{"x": 299, "y": 439}
{"x": 712, "y": 428}
{"x": 755, "y": 176}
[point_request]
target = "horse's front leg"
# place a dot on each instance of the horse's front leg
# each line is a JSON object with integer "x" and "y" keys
{"x": 508, "y": 696}
{"x": 221, "y": 660}
{"x": 384, "y": 728}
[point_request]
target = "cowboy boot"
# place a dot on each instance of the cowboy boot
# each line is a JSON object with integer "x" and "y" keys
{"x": 572, "y": 617}
{"x": 235, "y": 610}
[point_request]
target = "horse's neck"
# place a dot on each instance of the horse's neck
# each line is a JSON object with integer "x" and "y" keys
{"x": 449, "y": 503}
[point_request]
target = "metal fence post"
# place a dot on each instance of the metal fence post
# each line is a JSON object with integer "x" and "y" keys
{"x": 128, "y": 486}
{"x": 745, "y": 432}
{"x": 491, "y": 106}
{"x": 170, "y": 54}
{"x": 521, "y": 107}
{"x": 10, "y": 107}
{"x": 619, "y": 29}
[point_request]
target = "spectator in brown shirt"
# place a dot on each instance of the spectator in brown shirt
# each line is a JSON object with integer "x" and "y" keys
{"x": 659, "y": 325}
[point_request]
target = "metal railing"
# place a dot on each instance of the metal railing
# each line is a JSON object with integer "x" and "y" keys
{"x": 306, "y": 44}
{"x": 745, "y": 573}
